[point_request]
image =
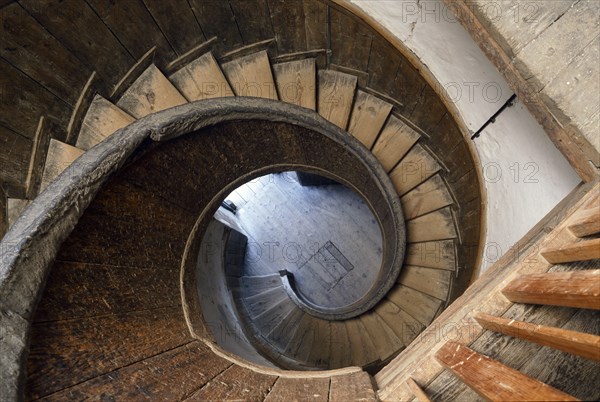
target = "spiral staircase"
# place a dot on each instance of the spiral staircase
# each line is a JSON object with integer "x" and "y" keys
{"x": 113, "y": 215}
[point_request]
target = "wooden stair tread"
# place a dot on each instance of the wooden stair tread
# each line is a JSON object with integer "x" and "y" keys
{"x": 340, "y": 354}
{"x": 587, "y": 222}
{"x": 405, "y": 326}
{"x": 58, "y": 157}
{"x": 395, "y": 141}
{"x": 439, "y": 254}
{"x": 261, "y": 302}
{"x": 302, "y": 339}
{"x": 320, "y": 349}
{"x": 493, "y": 380}
{"x": 150, "y": 93}
{"x": 281, "y": 334}
{"x": 577, "y": 343}
{"x": 580, "y": 289}
{"x": 428, "y": 196}
{"x": 437, "y": 225}
{"x": 102, "y": 119}
{"x": 580, "y": 251}
{"x": 417, "y": 391}
{"x": 419, "y": 305}
{"x": 336, "y": 96}
{"x": 251, "y": 75}
{"x": 384, "y": 338}
{"x": 299, "y": 389}
{"x": 201, "y": 79}
{"x": 296, "y": 82}
{"x": 267, "y": 321}
{"x": 431, "y": 281}
{"x": 352, "y": 387}
{"x": 369, "y": 114}
{"x": 253, "y": 285}
{"x": 417, "y": 166}
{"x": 362, "y": 346}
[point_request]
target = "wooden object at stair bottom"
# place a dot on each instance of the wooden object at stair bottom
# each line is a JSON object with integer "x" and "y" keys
{"x": 493, "y": 380}
{"x": 577, "y": 343}
{"x": 580, "y": 289}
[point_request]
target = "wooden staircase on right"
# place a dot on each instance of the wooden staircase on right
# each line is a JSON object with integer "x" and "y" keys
{"x": 528, "y": 329}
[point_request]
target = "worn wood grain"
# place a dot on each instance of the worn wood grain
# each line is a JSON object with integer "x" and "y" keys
{"x": 569, "y": 252}
{"x": 101, "y": 120}
{"x": 437, "y": 254}
{"x": 406, "y": 327}
{"x": 384, "y": 338}
{"x": 320, "y": 349}
{"x": 298, "y": 389}
{"x": 395, "y": 141}
{"x": 350, "y": 41}
{"x": 493, "y": 380}
{"x": 217, "y": 19}
{"x": 95, "y": 45}
{"x": 419, "y": 394}
{"x": 171, "y": 375}
{"x": 429, "y": 196}
{"x": 201, "y": 79}
{"x": 369, "y": 115}
{"x": 437, "y": 225}
{"x": 19, "y": 93}
{"x": 271, "y": 318}
{"x": 251, "y": 75}
{"x": 280, "y": 335}
{"x": 235, "y": 383}
{"x": 253, "y": 20}
{"x": 316, "y": 23}
{"x": 297, "y": 82}
{"x": 361, "y": 344}
{"x": 151, "y": 92}
{"x": 351, "y": 387}
{"x": 136, "y": 28}
{"x": 431, "y": 281}
{"x": 340, "y": 354}
{"x": 72, "y": 290}
{"x": 419, "y": 305}
{"x": 14, "y": 159}
{"x": 587, "y": 223}
{"x": 65, "y": 353}
{"x": 336, "y": 96}
{"x": 417, "y": 166}
{"x": 263, "y": 301}
{"x": 579, "y": 289}
{"x": 288, "y": 21}
{"x": 133, "y": 74}
{"x": 25, "y": 44}
{"x": 302, "y": 340}
{"x": 585, "y": 345}
{"x": 58, "y": 157}
{"x": 177, "y": 22}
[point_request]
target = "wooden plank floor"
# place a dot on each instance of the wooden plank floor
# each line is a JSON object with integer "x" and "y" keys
{"x": 326, "y": 236}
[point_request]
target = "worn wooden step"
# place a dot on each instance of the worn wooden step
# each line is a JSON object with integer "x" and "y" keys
{"x": 369, "y": 114}
{"x": 302, "y": 339}
{"x": 336, "y": 96}
{"x": 352, "y": 387}
{"x": 299, "y": 389}
{"x": 297, "y": 82}
{"x": 268, "y": 320}
{"x": 429, "y": 196}
{"x": 493, "y": 380}
{"x": 280, "y": 336}
{"x": 59, "y": 157}
{"x": 363, "y": 349}
{"x": 201, "y": 79}
{"x": 251, "y": 75}
{"x": 581, "y": 251}
{"x": 431, "y": 281}
{"x": 150, "y": 93}
{"x": 419, "y": 305}
{"x": 386, "y": 342}
{"x": 102, "y": 119}
{"x": 320, "y": 349}
{"x": 340, "y": 354}
{"x": 253, "y": 285}
{"x": 395, "y": 141}
{"x": 405, "y": 326}
{"x": 417, "y": 166}
{"x": 417, "y": 391}
{"x": 437, "y": 225}
{"x": 580, "y": 289}
{"x": 577, "y": 343}
{"x": 259, "y": 303}
{"x": 439, "y": 254}
{"x": 587, "y": 222}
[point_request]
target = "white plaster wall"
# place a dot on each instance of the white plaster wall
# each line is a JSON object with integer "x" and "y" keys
{"x": 514, "y": 151}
